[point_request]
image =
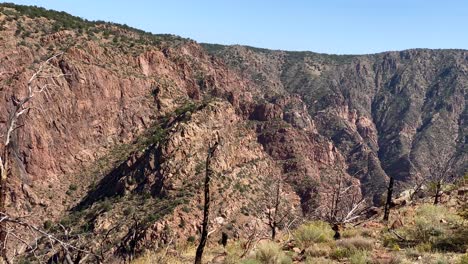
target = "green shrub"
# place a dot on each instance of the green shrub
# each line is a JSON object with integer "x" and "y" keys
{"x": 106, "y": 205}
{"x": 436, "y": 228}
{"x": 359, "y": 257}
{"x": 128, "y": 211}
{"x": 464, "y": 211}
{"x": 271, "y": 253}
{"x": 341, "y": 253}
{"x": 396, "y": 247}
{"x": 463, "y": 259}
{"x": 314, "y": 232}
{"x": 349, "y": 232}
{"x": 389, "y": 240}
{"x": 424, "y": 247}
{"x": 431, "y": 221}
{"x": 455, "y": 241}
{"x": 48, "y": 224}
{"x": 186, "y": 209}
{"x": 234, "y": 251}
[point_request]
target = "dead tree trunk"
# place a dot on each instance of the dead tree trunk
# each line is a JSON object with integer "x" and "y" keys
{"x": 337, "y": 229}
{"x": 389, "y": 199}
{"x": 206, "y": 207}
{"x": 273, "y": 219}
{"x": 438, "y": 188}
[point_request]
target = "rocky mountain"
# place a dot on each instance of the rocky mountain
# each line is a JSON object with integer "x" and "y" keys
{"x": 115, "y": 150}
{"x": 389, "y": 114}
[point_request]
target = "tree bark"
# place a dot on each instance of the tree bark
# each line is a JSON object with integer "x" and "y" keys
{"x": 389, "y": 199}
{"x": 273, "y": 233}
{"x": 206, "y": 207}
{"x": 274, "y": 224}
{"x": 437, "y": 193}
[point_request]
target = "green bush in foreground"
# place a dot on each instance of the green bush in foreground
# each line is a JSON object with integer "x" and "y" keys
{"x": 463, "y": 259}
{"x": 359, "y": 257}
{"x": 313, "y": 232}
{"x": 271, "y": 253}
{"x": 436, "y": 226}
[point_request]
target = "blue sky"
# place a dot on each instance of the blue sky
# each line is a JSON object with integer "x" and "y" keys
{"x": 327, "y": 26}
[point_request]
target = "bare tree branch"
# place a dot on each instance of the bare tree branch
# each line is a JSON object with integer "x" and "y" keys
{"x": 21, "y": 107}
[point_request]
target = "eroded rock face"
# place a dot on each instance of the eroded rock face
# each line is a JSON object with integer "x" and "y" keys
{"x": 81, "y": 147}
{"x": 388, "y": 114}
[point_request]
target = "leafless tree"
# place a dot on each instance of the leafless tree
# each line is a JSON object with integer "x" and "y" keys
{"x": 206, "y": 207}
{"x": 441, "y": 171}
{"x": 273, "y": 205}
{"x": 251, "y": 239}
{"x": 343, "y": 201}
{"x": 416, "y": 185}
{"x": 346, "y": 203}
{"x": 21, "y": 107}
{"x": 42, "y": 237}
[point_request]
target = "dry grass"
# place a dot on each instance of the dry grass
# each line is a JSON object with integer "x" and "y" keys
{"x": 359, "y": 245}
{"x": 463, "y": 259}
{"x": 350, "y": 232}
{"x": 271, "y": 253}
{"x": 359, "y": 257}
{"x": 319, "y": 261}
{"x": 182, "y": 255}
{"x": 318, "y": 250}
{"x": 153, "y": 257}
{"x": 356, "y": 243}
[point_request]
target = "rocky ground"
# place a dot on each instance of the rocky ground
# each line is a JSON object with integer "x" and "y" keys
{"x": 417, "y": 232}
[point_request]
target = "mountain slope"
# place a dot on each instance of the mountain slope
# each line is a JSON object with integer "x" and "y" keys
{"x": 394, "y": 110}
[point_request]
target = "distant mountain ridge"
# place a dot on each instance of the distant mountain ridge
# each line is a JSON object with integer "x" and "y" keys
{"x": 399, "y": 93}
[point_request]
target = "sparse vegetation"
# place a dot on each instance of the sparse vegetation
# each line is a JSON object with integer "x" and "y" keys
{"x": 429, "y": 225}
{"x": 463, "y": 259}
{"x": 315, "y": 232}
{"x": 356, "y": 243}
{"x": 435, "y": 228}
{"x": 359, "y": 257}
{"x": 63, "y": 20}
{"x": 271, "y": 253}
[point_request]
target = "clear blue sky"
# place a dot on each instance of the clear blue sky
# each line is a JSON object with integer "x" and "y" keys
{"x": 328, "y": 26}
